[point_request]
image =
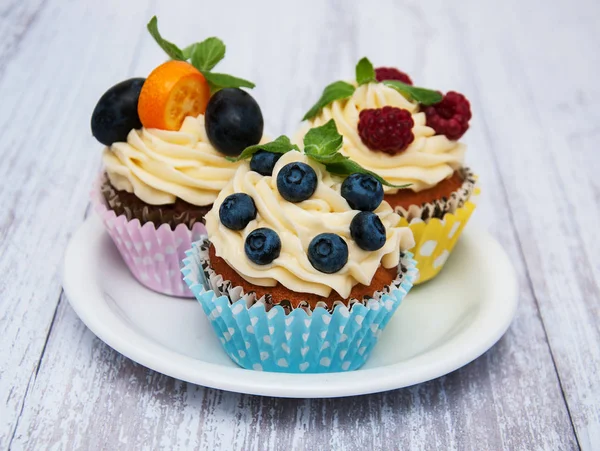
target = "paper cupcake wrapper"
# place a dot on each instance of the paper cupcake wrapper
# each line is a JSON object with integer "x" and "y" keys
{"x": 302, "y": 341}
{"x": 153, "y": 255}
{"x": 435, "y": 239}
{"x": 440, "y": 207}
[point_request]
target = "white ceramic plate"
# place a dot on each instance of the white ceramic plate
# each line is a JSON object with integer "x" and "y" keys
{"x": 439, "y": 327}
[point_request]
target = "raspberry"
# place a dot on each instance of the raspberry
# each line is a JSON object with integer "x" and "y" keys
{"x": 451, "y": 116}
{"x": 386, "y": 129}
{"x": 391, "y": 73}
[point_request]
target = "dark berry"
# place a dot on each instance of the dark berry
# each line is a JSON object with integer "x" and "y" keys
{"x": 451, "y": 116}
{"x": 263, "y": 162}
{"x": 236, "y": 211}
{"x": 262, "y": 246}
{"x": 386, "y": 129}
{"x": 391, "y": 73}
{"x": 362, "y": 192}
{"x": 328, "y": 253}
{"x": 116, "y": 113}
{"x": 233, "y": 121}
{"x": 296, "y": 182}
{"x": 367, "y": 231}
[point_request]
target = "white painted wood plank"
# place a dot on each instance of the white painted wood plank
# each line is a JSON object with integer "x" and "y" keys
{"x": 543, "y": 116}
{"x": 16, "y": 18}
{"x": 88, "y": 396}
{"x": 55, "y": 74}
{"x": 87, "y": 393}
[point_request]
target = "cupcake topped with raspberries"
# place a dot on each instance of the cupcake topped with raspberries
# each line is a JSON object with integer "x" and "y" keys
{"x": 167, "y": 136}
{"x": 408, "y": 135}
{"x": 304, "y": 229}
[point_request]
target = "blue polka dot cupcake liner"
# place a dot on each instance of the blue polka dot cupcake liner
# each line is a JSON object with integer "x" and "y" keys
{"x": 261, "y": 336}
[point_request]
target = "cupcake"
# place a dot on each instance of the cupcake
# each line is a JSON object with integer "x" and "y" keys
{"x": 410, "y": 136}
{"x": 303, "y": 266}
{"x": 167, "y": 140}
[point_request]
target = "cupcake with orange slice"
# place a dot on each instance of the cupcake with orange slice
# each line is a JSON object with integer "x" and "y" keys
{"x": 167, "y": 140}
{"x": 410, "y": 136}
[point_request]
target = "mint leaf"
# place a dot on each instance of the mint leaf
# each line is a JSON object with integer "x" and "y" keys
{"x": 422, "y": 95}
{"x": 220, "y": 81}
{"x": 364, "y": 71}
{"x": 189, "y": 50}
{"x": 335, "y": 91}
{"x": 280, "y": 145}
{"x": 341, "y": 165}
{"x": 323, "y": 141}
{"x": 170, "y": 49}
{"x": 206, "y": 54}
{"x": 322, "y": 144}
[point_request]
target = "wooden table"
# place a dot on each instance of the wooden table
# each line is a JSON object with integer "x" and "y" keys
{"x": 531, "y": 70}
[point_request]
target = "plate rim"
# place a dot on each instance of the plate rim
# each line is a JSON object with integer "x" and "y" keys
{"x": 159, "y": 358}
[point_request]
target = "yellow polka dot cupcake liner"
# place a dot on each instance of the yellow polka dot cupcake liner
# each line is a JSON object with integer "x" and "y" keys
{"x": 435, "y": 239}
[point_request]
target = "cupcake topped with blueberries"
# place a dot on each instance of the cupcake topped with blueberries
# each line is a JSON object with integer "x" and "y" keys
{"x": 305, "y": 263}
{"x": 303, "y": 229}
{"x": 410, "y": 136}
{"x": 167, "y": 136}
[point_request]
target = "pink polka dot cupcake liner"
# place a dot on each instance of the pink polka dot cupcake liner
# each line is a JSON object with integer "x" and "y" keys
{"x": 153, "y": 255}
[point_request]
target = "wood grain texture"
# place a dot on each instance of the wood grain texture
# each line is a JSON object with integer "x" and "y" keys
{"x": 16, "y": 19}
{"x": 64, "y": 389}
{"x": 47, "y": 91}
{"x": 87, "y": 395}
{"x": 20, "y": 348}
{"x": 550, "y": 175}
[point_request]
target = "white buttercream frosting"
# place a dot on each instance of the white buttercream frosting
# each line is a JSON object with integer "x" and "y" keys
{"x": 297, "y": 224}
{"x": 159, "y": 166}
{"x": 428, "y": 160}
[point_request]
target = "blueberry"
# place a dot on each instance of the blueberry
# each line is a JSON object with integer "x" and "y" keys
{"x": 328, "y": 252}
{"x": 233, "y": 121}
{"x": 262, "y": 246}
{"x": 116, "y": 112}
{"x": 296, "y": 182}
{"x": 362, "y": 192}
{"x": 263, "y": 162}
{"x": 367, "y": 231}
{"x": 236, "y": 211}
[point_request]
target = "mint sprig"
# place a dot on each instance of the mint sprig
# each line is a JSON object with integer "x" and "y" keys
{"x": 170, "y": 49}
{"x": 322, "y": 144}
{"x": 338, "y": 90}
{"x": 204, "y": 56}
{"x": 422, "y": 95}
{"x": 220, "y": 81}
{"x": 365, "y": 73}
{"x": 280, "y": 145}
{"x": 207, "y": 54}
{"x": 187, "y": 52}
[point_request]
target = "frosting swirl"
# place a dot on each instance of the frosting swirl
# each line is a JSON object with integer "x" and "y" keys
{"x": 297, "y": 224}
{"x": 428, "y": 160}
{"x": 159, "y": 166}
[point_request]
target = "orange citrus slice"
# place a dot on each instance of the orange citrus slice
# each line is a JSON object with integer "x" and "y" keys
{"x": 172, "y": 91}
